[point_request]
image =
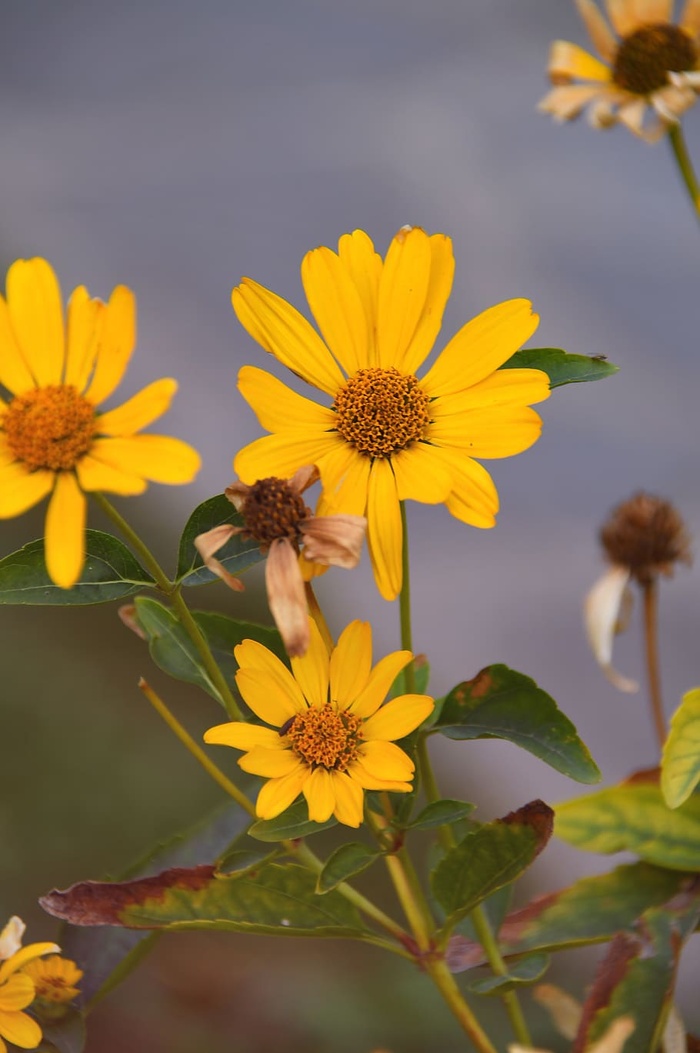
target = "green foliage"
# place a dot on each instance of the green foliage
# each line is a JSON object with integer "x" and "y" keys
{"x": 680, "y": 761}
{"x": 503, "y": 704}
{"x": 560, "y": 366}
{"x": 236, "y": 555}
{"x": 110, "y": 572}
{"x": 347, "y": 861}
{"x": 65, "y": 1035}
{"x": 290, "y": 824}
{"x": 634, "y": 817}
{"x": 522, "y": 973}
{"x": 440, "y": 813}
{"x": 421, "y": 678}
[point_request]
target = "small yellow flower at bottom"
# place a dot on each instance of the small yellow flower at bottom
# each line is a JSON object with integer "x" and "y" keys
{"x": 331, "y": 737}
{"x": 55, "y": 978}
{"x": 17, "y": 990}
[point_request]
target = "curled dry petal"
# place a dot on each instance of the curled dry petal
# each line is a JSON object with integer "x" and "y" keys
{"x": 286, "y": 596}
{"x": 209, "y": 543}
{"x": 334, "y": 541}
{"x": 602, "y": 610}
{"x": 563, "y": 1009}
{"x": 127, "y": 615}
{"x": 11, "y": 937}
{"x": 304, "y": 477}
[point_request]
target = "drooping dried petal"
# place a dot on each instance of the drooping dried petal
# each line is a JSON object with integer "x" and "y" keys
{"x": 602, "y": 608}
{"x": 209, "y": 543}
{"x": 286, "y": 596}
{"x": 335, "y": 541}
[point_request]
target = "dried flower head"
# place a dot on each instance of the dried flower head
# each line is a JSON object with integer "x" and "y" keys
{"x": 647, "y": 535}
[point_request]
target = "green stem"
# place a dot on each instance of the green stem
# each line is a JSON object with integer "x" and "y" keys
{"x": 318, "y": 616}
{"x": 445, "y": 982}
{"x": 685, "y": 165}
{"x": 405, "y": 603}
{"x": 172, "y": 591}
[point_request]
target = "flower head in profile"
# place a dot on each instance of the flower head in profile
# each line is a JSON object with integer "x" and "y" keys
{"x": 17, "y": 990}
{"x": 388, "y": 435}
{"x": 55, "y": 979}
{"x": 329, "y": 735}
{"x": 649, "y": 64}
{"x": 275, "y": 515}
{"x": 643, "y": 538}
{"x": 54, "y": 442}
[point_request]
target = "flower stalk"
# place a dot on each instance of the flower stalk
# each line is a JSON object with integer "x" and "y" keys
{"x": 685, "y": 165}
{"x": 650, "y": 593}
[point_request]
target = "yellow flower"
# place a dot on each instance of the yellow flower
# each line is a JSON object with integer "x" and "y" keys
{"x": 17, "y": 989}
{"x": 53, "y": 440}
{"x": 330, "y": 736}
{"x": 651, "y": 63}
{"x": 388, "y": 435}
{"x": 55, "y": 978}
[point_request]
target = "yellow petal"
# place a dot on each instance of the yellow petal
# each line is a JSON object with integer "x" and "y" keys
{"x": 278, "y": 408}
{"x": 349, "y": 799}
{"x": 598, "y": 29}
{"x": 403, "y": 288}
{"x": 24, "y": 955}
{"x": 65, "y": 531}
{"x": 623, "y": 15}
{"x": 364, "y": 268}
{"x": 568, "y": 100}
{"x": 654, "y": 10}
{"x": 282, "y": 455}
{"x": 85, "y": 318}
{"x": 159, "y": 458}
{"x": 280, "y": 329}
{"x": 20, "y": 489}
{"x": 345, "y": 479}
{"x": 263, "y": 695}
{"x": 480, "y": 347}
{"x": 474, "y": 499}
{"x": 15, "y": 373}
{"x": 602, "y": 609}
{"x": 140, "y": 410}
{"x": 311, "y": 669}
{"x": 442, "y": 269}
{"x": 278, "y": 794}
{"x": 94, "y": 475}
{"x": 20, "y": 1029}
{"x": 336, "y": 305}
{"x": 244, "y": 736}
{"x": 421, "y": 474}
{"x": 270, "y": 764}
{"x": 491, "y": 434}
{"x": 384, "y": 530}
{"x": 34, "y": 300}
{"x": 17, "y": 993}
{"x": 252, "y": 655}
{"x": 690, "y": 17}
{"x": 568, "y": 60}
{"x": 505, "y": 387}
{"x": 351, "y": 662}
{"x": 320, "y": 795}
{"x": 117, "y": 339}
{"x": 379, "y": 763}
{"x": 380, "y": 680}
{"x": 398, "y": 717}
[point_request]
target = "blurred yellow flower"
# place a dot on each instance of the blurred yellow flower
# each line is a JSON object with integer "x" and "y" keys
{"x": 55, "y": 978}
{"x": 53, "y": 440}
{"x": 16, "y": 988}
{"x": 330, "y": 736}
{"x": 648, "y": 62}
{"x": 388, "y": 436}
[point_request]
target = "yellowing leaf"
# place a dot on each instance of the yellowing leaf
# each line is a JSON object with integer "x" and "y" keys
{"x": 680, "y": 761}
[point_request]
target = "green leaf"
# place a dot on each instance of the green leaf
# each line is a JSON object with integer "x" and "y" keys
{"x": 347, "y": 861}
{"x": 236, "y": 555}
{"x": 633, "y": 817}
{"x": 110, "y": 572}
{"x": 680, "y": 761}
{"x": 523, "y": 972}
{"x": 490, "y": 857}
{"x": 65, "y": 1035}
{"x": 440, "y": 813}
{"x": 561, "y": 367}
{"x": 421, "y": 676}
{"x": 170, "y": 646}
{"x": 223, "y": 633}
{"x": 275, "y": 899}
{"x": 502, "y": 704}
{"x": 291, "y": 824}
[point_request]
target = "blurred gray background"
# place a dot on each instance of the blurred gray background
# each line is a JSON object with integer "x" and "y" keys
{"x": 176, "y": 146}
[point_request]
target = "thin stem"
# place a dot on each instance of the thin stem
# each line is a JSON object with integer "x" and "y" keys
{"x": 318, "y": 616}
{"x": 172, "y": 590}
{"x": 447, "y": 986}
{"x": 405, "y": 603}
{"x": 406, "y": 886}
{"x": 650, "y": 593}
{"x": 685, "y": 165}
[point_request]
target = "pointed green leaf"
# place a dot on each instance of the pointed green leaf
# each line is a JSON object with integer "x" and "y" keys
{"x": 347, "y": 861}
{"x": 680, "y": 762}
{"x": 521, "y": 973}
{"x": 634, "y": 817}
{"x": 490, "y": 857}
{"x": 439, "y": 813}
{"x": 500, "y": 703}
{"x": 110, "y": 572}
{"x": 291, "y": 824}
{"x": 275, "y": 899}
{"x": 560, "y": 366}
{"x": 236, "y": 555}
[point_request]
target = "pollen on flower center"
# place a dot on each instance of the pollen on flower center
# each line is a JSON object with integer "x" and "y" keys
{"x": 50, "y": 428}
{"x": 324, "y": 738}
{"x": 272, "y": 510}
{"x": 381, "y": 411}
{"x": 645, "y": 57}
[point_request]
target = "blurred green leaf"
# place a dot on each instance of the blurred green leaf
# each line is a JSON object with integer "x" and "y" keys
{"x": 65, "y": 1035}
{"x": 291, "y": 824}
{"x": 110, "y": 572}
{"x": 421, "y": 675}
{"x": 347, "y": 861}
{"x": 560, "y": 366}
{"x": 680, "y": 761}
{"x": 170, "y": 646}
{"x": 521, "y": 973}
{"x": 439, "y": 813}
{"x": 236, "y": 555}
{"x": 503, "y": 704}
{"x": 634, "y": 817}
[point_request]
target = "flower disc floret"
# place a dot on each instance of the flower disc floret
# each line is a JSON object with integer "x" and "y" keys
{"x": 645, "y": 57}
{"x": 273, "y": 509}
{"x": 325, "y": 738}
{"x": 50, "y": 428}
{"x": 381, "y": 411}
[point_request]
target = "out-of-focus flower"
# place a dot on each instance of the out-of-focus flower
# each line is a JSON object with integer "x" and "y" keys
{"x": 388, "y": 436}
{"x": 643, "y": 538}
{"x": 276, "y": 517}
{"x": 17, "y": 990}
{"x": 53, "y": 440}
{"x": 566, "y": 1014}
{"x": 55, "y": 978}
{"x": 649, "y": 64}
{"x": 330, "y": 736}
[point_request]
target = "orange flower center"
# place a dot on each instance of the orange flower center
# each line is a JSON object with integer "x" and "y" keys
{"x": 381, "y": 411}
{"x": 272, "y": 510}
{"x": 645, "y": 57}
{"x": 324, "y": 738}
{"x": 50, "y": 428}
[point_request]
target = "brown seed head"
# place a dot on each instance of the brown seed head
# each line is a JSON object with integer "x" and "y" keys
{"x": 647, "y": 535}
{"x": 272, "y": 509}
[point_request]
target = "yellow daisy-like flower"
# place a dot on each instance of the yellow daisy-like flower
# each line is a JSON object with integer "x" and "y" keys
{"x": 388, "y": 435}
{"x": 55, "y": 978}
{"x": 53, "y": 440}
{"x": 17, "y": 989}
{"x": 648, "y": 62}
{"x": 330, "y": 736}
